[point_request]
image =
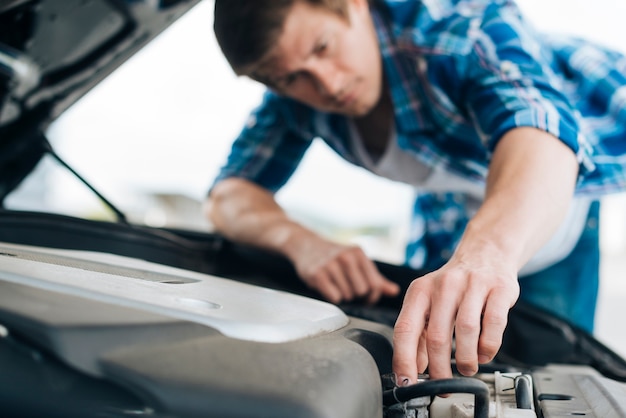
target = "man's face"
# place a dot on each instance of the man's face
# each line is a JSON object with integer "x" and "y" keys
{"x": 327, "y": 62}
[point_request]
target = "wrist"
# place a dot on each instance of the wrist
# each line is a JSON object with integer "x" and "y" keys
{"x": 288, "y": 237}
{"x": 487, "y": 244}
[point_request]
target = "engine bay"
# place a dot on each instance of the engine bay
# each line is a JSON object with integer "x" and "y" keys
{"x": 108, "y": 344}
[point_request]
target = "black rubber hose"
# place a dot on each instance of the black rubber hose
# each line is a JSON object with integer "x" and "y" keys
{"x": 439, "y": 387}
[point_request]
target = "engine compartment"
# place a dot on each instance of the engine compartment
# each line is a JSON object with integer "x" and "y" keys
{"x": 64, "y": 316}
{"x": 551, "y": 391}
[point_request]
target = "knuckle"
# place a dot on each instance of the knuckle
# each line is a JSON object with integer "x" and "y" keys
{"x": 361, "y": 289}
{"x": 495, "y": 319}
{"x": 312, "y": 271}
{"x": 449, "y": 283}
{"x": 348, "y": 254}
{"x": 403, "y": 328}
{"x": 344, "y": 257}
{"x": 437, "y": 340}
{"x": 355, "y": 249}
{"x": 316, "y": 279}
{"x": 465, "y": 326}
{"x": 417, "y": 289}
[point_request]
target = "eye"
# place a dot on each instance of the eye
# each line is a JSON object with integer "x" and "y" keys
{"x": 321, "y": 48}
{"x": 287, "y": 80}
{"x": 290, "y": 79}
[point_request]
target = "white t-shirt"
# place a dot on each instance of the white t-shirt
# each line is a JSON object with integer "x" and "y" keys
{"x": 399, "y": 165}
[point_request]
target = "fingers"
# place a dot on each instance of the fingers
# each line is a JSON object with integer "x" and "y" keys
{"x": 445, "y": 299}
{"x": 328, "y": 289}
{"x": 472, "y": 307}
{"x": 468, "y": 330}
{"x": 408, "y": 331}
{"x": 422, "y": 352}
{"x": 358, "y": 280}
{"x": 350, "y": 274}
{"x": 378, "y": 284}
{"x": 333, "y": 284}
{"x": 494, "y": 322}
{"x": 480, "y": 324}
{"x": 339, "y": 277}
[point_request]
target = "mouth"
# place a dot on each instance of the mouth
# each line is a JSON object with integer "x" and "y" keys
{"x": 347, "y": 99}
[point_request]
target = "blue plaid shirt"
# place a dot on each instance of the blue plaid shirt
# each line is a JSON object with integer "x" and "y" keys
{"x": 461, "y": 74}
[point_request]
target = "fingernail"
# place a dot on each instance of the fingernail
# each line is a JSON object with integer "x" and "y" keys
{"x": 403, "y": 381}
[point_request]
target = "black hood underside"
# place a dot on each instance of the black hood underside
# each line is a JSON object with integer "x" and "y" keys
{"x": 54, "y": 51}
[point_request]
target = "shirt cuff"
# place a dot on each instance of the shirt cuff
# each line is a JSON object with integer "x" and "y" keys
{"x": 565, "y": 131}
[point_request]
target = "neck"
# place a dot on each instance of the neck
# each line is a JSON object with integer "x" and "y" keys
{"x": 375, "y": 127}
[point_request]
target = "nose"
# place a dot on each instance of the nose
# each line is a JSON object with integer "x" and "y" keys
{"x": 328, "y": 79}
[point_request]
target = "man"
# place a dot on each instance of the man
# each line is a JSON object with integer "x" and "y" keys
{"x": 454, "y": 97}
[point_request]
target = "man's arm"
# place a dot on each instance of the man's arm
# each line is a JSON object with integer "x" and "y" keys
{"x": 529, "y": 187}
{"x": 245, "y": 212}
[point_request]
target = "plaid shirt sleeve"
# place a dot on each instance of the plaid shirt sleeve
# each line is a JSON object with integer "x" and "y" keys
{"x": 267, "y": 151}
{"x": 509, "y": 83}
{"x": 507, "y": 77}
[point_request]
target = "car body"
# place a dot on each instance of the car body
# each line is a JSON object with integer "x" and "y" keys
{"x": 118, "y": 319}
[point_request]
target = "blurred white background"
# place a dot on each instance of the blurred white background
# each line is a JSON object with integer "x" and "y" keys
{"x": 152, "y": 136}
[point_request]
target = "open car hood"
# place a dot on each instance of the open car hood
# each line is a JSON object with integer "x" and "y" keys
{"x": 54, "y": 51}
{"x": 114, "y": 319}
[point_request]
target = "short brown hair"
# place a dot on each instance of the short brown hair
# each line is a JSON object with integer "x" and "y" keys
{"x": 246, "y": 30}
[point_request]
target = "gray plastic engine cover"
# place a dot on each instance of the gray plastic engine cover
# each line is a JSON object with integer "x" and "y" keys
{"x": 181, "y": 366}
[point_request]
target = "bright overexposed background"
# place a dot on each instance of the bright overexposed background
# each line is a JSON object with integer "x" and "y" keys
{"x": 152, "y": 136}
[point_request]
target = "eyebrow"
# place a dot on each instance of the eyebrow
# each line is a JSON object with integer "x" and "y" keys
{"x": 266, "y": 66}
{"x": 319, "y": 40}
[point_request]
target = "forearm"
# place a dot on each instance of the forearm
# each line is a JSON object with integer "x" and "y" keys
{"x": 530, "y": 184}
{"x": 247, "y": 213}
